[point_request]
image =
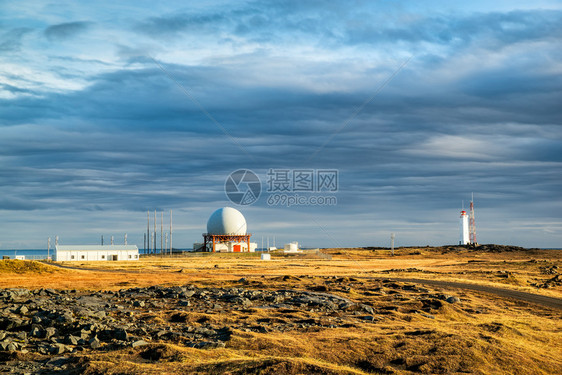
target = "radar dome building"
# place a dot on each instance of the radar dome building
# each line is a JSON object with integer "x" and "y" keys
{"x": 225, "y": 221}
{"x": 226, "y": 232}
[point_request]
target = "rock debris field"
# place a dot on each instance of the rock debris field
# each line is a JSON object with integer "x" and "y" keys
{"x": 52, "y": 331}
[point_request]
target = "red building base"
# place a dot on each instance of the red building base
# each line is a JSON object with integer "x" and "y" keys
{"x": 219, "y": 238}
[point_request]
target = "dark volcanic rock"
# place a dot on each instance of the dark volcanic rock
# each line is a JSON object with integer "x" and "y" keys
{"x": 138, "y": 343}
{"x": 54, "y": 323}
{"x": 50, "y": 332}
{"x": 57, "y": 349}
{"x": 94, "y": 343}
{"x": 120, "y": 334}
{"x": 72, "y": 340}
{"x": 453, "y": 299}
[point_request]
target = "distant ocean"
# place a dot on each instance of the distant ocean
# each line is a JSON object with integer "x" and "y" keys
{"x": 38, "y": 254}
{"x": 34, "y": 254}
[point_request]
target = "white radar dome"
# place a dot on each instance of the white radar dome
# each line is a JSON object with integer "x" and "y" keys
{"x": 226, "y": 220}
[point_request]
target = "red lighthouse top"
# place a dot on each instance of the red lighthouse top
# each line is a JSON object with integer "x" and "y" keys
{"x": 463, "y": 213}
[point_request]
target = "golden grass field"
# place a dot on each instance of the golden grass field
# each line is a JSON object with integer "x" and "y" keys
{"x": 483, "y": 334}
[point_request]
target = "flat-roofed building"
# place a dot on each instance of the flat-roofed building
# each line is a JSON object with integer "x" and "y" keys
{"x": 86, "y": 253}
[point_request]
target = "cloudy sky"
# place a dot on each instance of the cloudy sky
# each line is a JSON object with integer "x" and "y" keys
{"x": 108, "y": 110}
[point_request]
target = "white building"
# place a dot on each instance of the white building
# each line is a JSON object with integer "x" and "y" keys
{"x": 95, "y": 253}
{"x": 464, "y": 239}
{"x": 292, "y": 247}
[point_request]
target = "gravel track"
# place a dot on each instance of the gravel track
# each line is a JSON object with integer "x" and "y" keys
{"x": 538, "y": 299}
{"x": 546, "y": 301}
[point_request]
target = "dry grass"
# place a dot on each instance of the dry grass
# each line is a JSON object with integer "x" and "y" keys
{"x": 525, "y": 268}
{"x": 15, "y": 266}
{"x": 499, "y": 343}
{"x": 480, "y": 335}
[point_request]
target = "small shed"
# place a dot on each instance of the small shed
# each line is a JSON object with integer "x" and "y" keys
{"x": 84, "y": 253}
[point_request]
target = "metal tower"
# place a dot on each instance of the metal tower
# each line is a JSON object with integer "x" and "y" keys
{"x": 472, "y": 223}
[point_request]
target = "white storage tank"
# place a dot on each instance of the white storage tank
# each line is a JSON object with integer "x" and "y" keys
{"x": 292, "y": 247}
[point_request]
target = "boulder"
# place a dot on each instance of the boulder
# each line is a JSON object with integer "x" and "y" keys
{"x": 453, "y": 299}
{"x": 94, "y": 343}
{"x": 11, "y": 323}
{"x": 368, "y": 309}
{"x": 120, "y": 334}
{"x": 72, "y": 340}
{"x": 50, "y": 332}
{"x": 37, "y": 331}
{"x": 138, "y": 343}
{"x": 22, "y": 310}
{"x": 4, "y": 345}
{"x": 57, "y": 349}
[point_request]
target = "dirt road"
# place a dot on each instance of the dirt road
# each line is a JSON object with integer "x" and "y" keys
{"x": 552, "y": 302}
{"x": 546, "y": 301}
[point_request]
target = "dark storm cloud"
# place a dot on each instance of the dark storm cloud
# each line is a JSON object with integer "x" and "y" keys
{"x": 497, "y": 28}
{"x": 165, "y": 26}
{"x": 476, "y": 109}
{"x": 66, "y": 30}
{"x": 14, "y": 89}
{"x": 338, "y": 23}
{"x": 120, "y": 158}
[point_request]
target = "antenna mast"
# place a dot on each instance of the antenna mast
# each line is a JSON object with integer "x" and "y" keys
{"x": 472, "y": 223}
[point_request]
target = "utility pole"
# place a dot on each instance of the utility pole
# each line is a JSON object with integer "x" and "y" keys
{"x": 148, "y": 229}
{"x": 162, "y": 233}
{"x": 154, "y": 232}
{"x": 171, "y": 249}
{"x": 49, "y": 248}
{"x": 392, "y": 243}
{"x": 125, "y": 238}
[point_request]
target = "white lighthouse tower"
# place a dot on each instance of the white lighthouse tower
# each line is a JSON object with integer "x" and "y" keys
{"x": 464, "y": 240}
